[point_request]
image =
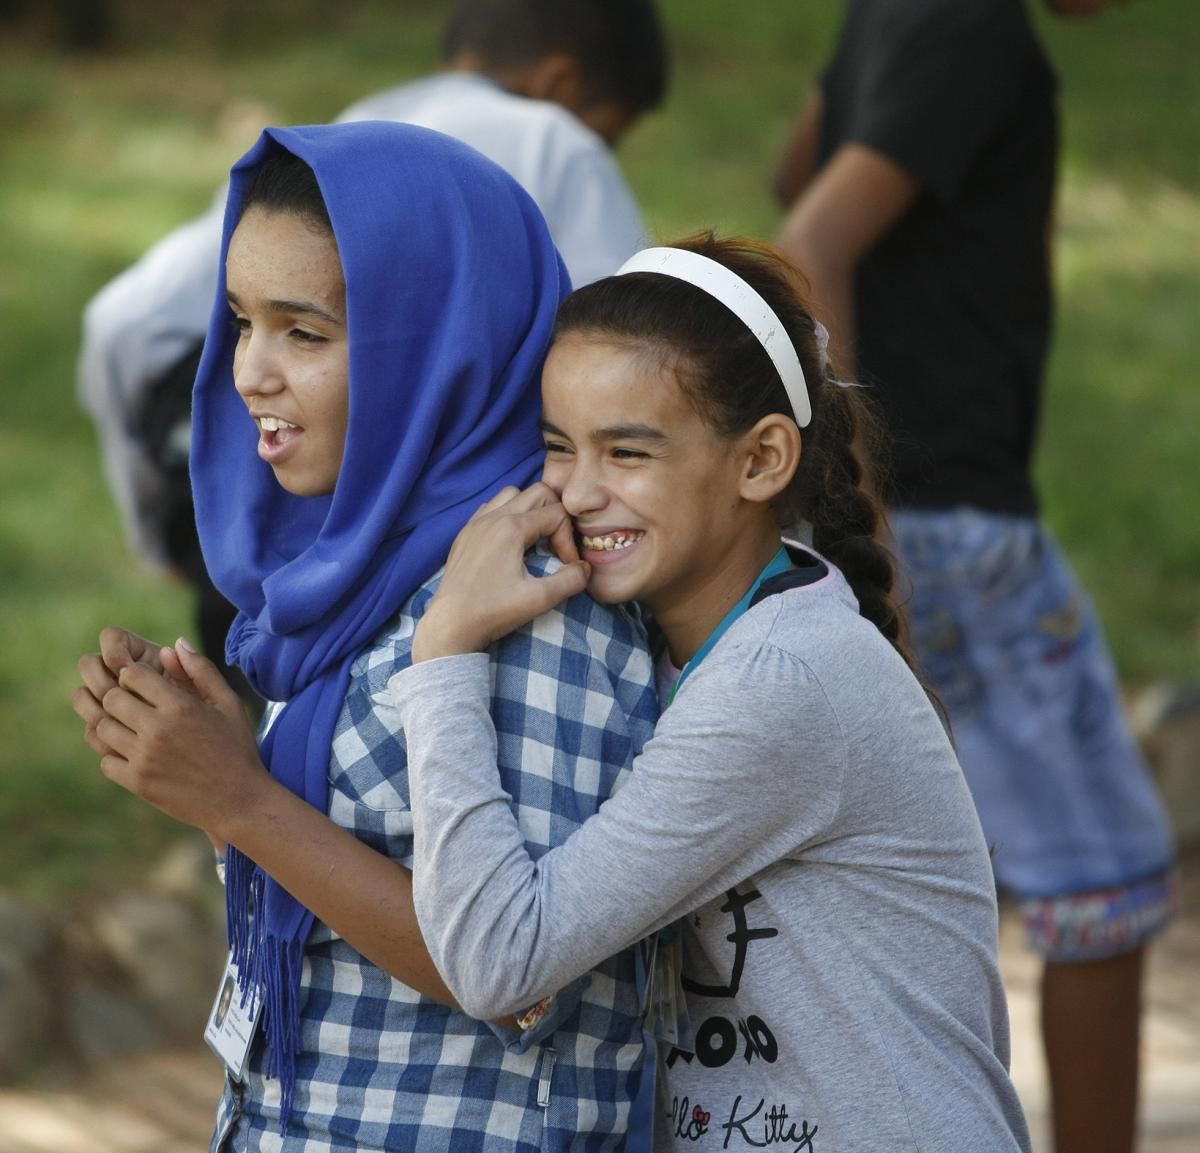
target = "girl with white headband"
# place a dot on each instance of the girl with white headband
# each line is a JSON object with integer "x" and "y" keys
{"x": 799, "y": 824}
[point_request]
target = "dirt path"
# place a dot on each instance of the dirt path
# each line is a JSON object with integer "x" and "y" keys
{"x": 163, "y": 1102}
{"x": 153, "y": 1103}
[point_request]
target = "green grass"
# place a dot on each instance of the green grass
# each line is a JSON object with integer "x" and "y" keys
{"x": 100, "y": 155}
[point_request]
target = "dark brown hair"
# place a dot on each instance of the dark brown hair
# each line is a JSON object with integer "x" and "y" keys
{"x": 728, "y": 376}
{"x": 620, "y": 44}
{"x": 285, "y": 183}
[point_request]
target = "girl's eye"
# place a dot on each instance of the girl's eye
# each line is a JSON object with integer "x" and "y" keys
{"x": 629, "y": 454}
{"x": 555, "y": 447}
{"x": 306, "y": 337}
{"x": 240, "y": 325}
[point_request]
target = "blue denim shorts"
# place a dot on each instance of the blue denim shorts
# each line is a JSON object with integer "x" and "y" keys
{"x": 1009, "y": 642}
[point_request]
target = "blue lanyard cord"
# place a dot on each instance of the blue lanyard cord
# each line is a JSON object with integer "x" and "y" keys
{"x": 780, "y": 563}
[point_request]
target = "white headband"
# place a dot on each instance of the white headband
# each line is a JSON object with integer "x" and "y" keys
{"x": 743, "y": 301}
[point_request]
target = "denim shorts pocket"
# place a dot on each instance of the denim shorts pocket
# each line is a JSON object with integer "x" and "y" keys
{"x": 1044, "y": 629}
{"x": 946, "y": 663}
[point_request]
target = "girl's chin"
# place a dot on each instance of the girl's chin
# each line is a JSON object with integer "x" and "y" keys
{"x": 605, "y": 597}
{"x": 298, "y": 484}
{"x": 606, "y": 589}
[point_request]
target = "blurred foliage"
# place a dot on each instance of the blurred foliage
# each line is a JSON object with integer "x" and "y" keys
{"x": 110, "y": 138}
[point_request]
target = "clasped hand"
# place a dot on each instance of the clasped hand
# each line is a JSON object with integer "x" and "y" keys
{"x": 486, "y": 591}
{"x": 169, "y": 728}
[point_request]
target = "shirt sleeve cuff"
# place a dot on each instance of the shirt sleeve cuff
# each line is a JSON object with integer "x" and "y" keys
{"x": 544, "y": 1018}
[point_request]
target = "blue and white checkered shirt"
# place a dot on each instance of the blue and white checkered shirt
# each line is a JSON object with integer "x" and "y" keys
{"x": 384, "y": 1068}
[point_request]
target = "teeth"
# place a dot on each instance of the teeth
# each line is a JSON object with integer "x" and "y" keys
{"x": 614, "y": 542}
{"x": 273, "y": 423}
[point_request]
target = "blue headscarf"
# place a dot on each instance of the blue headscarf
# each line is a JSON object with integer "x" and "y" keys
{"x": 452, "y": 284}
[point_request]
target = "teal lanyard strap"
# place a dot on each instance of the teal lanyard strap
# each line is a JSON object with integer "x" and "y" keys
{"x": 665, "y": 1013}
{"x": 780, "y": 563}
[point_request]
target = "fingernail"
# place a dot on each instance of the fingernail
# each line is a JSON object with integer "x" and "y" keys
{"x": 182, "y": 643}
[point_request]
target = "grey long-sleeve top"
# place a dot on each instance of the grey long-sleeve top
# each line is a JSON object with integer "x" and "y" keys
{"x": 801, "y": 809}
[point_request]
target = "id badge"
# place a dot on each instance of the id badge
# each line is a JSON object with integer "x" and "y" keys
{"x": 232, "y": 1025}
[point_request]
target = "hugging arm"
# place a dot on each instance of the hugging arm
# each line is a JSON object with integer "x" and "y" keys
{"x": 705, "y": 807}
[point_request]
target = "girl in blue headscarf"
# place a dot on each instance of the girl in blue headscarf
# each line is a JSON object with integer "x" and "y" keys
{"x": 369, "y": 379}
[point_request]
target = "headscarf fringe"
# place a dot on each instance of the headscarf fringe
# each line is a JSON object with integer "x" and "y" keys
{"x": 243, "y": 898}
{"x": 268, "y": 962}
{"x": 284, "y": 957}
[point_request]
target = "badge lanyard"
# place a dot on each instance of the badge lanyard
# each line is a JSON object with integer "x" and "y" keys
{"x": 780, "y": 563}
{"x": 664, "y": 1007}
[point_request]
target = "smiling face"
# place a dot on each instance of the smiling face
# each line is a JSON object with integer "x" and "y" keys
{"x": 292, "y": 360}
{"x": 655, "y": 493}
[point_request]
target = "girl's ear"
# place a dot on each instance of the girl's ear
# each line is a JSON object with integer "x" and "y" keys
{"x": 771, "y": 456}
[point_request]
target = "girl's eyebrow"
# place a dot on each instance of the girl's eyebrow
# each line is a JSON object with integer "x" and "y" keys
{"x": 614, "y": 432}
{"x": 302, "y": 307}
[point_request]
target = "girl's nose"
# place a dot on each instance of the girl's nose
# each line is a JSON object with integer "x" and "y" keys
{"x": 256, "y": 371}
{"x": 581, "y": 489}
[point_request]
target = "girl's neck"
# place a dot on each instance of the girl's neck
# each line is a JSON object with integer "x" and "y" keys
{"x": 685, "y": 626}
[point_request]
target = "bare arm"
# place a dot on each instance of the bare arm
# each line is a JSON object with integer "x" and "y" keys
{"x": 361, "y": 894}
{"x": 196, "y": 758}
{"x": 800, "y": 153}
{"x": 855, "y": 200}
